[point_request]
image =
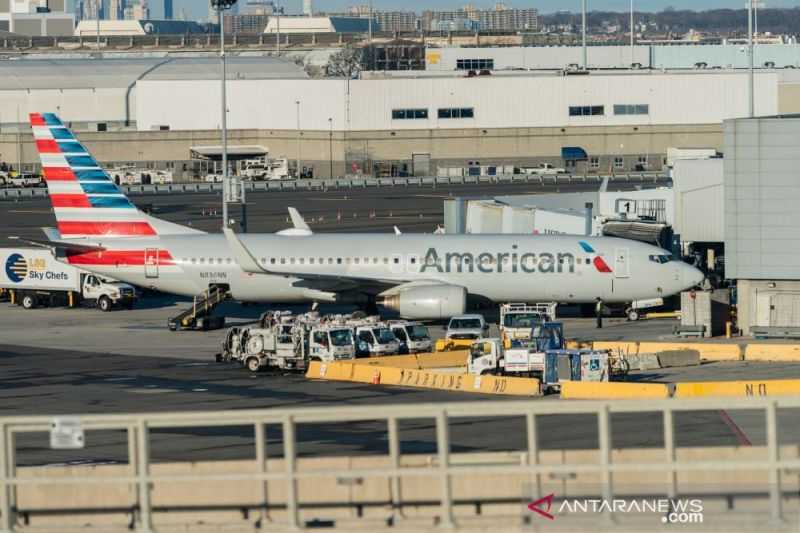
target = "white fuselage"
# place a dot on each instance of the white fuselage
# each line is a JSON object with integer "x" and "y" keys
{"x": 519, "y": 268}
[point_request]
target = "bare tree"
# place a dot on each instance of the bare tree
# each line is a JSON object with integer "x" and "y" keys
{"x": 346, "y": 63}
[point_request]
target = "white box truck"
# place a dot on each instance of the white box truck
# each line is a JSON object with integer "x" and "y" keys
{"x": 34, "y": 278}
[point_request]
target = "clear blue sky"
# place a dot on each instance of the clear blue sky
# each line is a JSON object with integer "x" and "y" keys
{"x": 199, "y": 8}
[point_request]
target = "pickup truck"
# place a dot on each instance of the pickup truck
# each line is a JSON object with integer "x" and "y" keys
{"x": 24, "y": 180}
{"x": 34, "y": 278}
{"x": 544, "y": 169}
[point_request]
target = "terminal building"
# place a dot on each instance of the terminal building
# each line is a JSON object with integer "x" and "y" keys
{"x": 157, "y": 109}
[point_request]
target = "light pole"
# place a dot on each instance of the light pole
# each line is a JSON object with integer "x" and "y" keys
{"x": 632, "y": 34}
{"x": 278, "y": 32}
{"x": 221, "y": 6}
{"x": 330, "y": 147}
{"x": 299, "y": 174}
{"x": 583, "y": 34}
{"x": 750, "y": 83}
{"x": 97, "y": 14}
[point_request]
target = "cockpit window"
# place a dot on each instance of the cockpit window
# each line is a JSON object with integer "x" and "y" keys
{"x": 662, "y": 258}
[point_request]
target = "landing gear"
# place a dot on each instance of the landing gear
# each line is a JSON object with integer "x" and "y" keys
{"x": 632, "y": 314}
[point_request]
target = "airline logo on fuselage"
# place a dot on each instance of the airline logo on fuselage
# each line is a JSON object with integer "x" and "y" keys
{"x": 510, "y": 262}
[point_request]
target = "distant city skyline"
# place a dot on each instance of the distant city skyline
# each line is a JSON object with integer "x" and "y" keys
{"x": 198, "y": 9}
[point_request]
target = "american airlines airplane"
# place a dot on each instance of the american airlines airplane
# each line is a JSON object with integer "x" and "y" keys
{"x": 422, "y": 276}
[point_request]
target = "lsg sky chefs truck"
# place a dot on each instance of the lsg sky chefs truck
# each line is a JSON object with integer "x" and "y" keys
{"x": 31, "y": 277}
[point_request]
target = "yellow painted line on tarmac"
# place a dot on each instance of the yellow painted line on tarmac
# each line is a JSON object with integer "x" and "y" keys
{"x": 766, "y": 387}
{"x": 596, "y": 390}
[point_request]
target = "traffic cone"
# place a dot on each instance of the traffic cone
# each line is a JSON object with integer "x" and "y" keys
{"x": 376, "y": 377}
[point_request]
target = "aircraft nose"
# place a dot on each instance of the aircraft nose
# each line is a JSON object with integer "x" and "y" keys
{"x": 691, "y": 276}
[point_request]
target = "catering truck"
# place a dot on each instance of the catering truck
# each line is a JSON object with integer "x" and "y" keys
{"x": 34, "y": 278}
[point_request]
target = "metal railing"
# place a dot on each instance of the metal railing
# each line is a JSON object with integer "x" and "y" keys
{"x": 360, "y": 183}
{"x": 442, "y": 470}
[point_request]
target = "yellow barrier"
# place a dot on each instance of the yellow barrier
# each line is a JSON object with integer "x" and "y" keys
{"x": 421, "y": 360}
{"x": 767, "y": 387}
{"x": 446, "y": 345}
{"x": 707, "y": 351}
{"x": 594, "y": 390}
{"x": 408, "y": 377}
{"x": 772, "y": 352}
{"x": 617, "y": 346}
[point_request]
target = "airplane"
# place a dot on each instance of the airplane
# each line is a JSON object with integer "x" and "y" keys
{"x": 421, "y": 276}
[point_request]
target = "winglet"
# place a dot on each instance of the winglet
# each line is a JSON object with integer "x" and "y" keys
{"x": 397, "y": 231}
{"x": 297, "y": 220}
{"x": 243, "y": 256}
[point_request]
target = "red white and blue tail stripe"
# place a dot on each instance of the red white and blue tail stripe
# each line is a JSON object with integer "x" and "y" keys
{"x": 86, "y": 202}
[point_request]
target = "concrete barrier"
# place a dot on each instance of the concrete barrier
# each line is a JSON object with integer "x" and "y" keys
{"x": 411, "y": 377}
{"x": 594, "y": 390}
{"x": 671, "y": 358}
{"x": 766, "y": 387}
{"x": 772, "y": 352}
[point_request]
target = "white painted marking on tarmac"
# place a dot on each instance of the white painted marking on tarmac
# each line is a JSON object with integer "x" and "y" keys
{"x": 199, "y": 390}
{"x": 152, "y": 391}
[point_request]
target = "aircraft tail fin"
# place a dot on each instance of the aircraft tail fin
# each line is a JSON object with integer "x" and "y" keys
{"x": 86, "y": 202}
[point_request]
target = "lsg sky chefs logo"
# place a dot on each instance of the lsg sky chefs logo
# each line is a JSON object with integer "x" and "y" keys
{"x": 672, "y": 511}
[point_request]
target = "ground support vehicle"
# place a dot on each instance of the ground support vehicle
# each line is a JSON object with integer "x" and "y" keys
{"x": 286, "y": 342}
{"x": 413, "y": 336}
{"x": 33, "y": 278}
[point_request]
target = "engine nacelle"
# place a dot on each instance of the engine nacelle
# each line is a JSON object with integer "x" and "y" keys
{"x": 428, "y": 302}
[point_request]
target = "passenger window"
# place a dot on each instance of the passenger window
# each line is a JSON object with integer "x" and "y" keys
{"x": 339, "y": 260}
{"x": 310, "y": 260}
{"x": 291, "y": 260}
{"x": 272, "y": 260}
{"x": 302, "y": 260}
{"x": 283, "y": 260}
{"x": 355, "y": 260}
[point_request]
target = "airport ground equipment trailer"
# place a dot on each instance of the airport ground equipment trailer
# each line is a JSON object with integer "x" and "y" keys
{"x": 286, "y": 342}
{"x": 34, "y": 277}
{"x": 199, "y": 316}
{"x": 525, "y": 357}
{"x": 517, "y": 320}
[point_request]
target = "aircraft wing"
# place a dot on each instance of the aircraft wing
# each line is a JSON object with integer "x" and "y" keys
{"x": 314, "y": 280}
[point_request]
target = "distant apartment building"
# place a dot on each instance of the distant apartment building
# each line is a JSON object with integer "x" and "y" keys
{"x": 36, "y": 17}
{"x": 501, "y": 18}
{"x": 391, "y": 21}
{"x": 246, "y": 23}
{"x": 137, "y": 10}
{"x": 397, "y": 21}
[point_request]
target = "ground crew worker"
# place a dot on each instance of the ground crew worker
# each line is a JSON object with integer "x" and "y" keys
{"x": 598, "y": 312}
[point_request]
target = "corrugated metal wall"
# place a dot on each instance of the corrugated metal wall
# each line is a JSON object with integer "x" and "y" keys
{"x": 762, "y": 198}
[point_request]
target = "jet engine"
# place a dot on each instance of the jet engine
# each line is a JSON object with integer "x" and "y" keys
{"x": 428, "y": 302}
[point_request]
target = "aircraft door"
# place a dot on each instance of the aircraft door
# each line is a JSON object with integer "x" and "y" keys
{"x": 622, "y": 267}
{"x": 151, "y": 262}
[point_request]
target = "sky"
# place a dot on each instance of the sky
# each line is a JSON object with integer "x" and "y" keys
{"x": 198, "y": 9}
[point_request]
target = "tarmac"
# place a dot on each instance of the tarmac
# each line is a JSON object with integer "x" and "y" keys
{"x": 379, "y": 209}
{"x": 62, "y": 361}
